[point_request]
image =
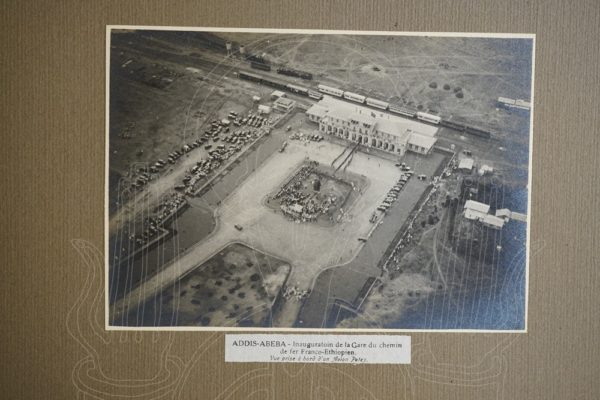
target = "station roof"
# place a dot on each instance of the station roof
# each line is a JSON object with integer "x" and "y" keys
{"x": 384, "y": 122}
{"x": 277, "y": 93}
{"x": 317, "y": 110}
{"x": 417, "y": 139}
{"x": 363, "y": 118}
{"x": 391, "y": 127}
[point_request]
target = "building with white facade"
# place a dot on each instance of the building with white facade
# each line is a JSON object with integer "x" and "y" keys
{"x": 493, "y": 222}
{"x": 373, "y": 129}
{"x": 512, "y": 103}
{"x": 466, "y": 164}
{"x": 476, "y": 211}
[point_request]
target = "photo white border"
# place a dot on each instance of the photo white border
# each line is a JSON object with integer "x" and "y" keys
{"x": 110, "y": 28}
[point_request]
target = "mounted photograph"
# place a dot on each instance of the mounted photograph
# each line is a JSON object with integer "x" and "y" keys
{"x": 317, "y": 180}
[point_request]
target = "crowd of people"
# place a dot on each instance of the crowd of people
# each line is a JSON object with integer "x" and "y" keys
{"x": 300, "y": 204}
{"x": 162, "y": 213}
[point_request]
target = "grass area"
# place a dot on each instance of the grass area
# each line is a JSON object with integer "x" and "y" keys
{"x": 236, "y": 287}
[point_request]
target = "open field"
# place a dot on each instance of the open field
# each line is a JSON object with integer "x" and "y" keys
{"x": 401, "y": 69}
{"x": 237, "y": 286}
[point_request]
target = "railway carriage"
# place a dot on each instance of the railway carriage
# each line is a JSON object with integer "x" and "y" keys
{"x": 433, "y": 119}
{"x": 261, "y": 66}
{"x": 297, "y": 89}
{"x": 377, "y": 103}
{"x": 314, "y": 95}
{"x": 354, "y": 97}
{"x": 331, "y": 90}
{"x": 294, "y": 72}
{"x": 402, "y": 111}
{"x": 250, "y": 77}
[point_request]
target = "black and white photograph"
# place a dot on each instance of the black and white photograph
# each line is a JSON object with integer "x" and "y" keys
{"x": 317, "y": 180}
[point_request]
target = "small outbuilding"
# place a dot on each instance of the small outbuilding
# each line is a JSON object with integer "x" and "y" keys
{"x": 475, "y": 210}
{"x": 420, "y": 143}
{"x": 504, "y": 213}
{"x": 277, "y": 94}
{"x": 485, "y": 170}
{"x": 262, "y": 109}
{"x": 493, "y": 222}
{"x": 466, "y": 164}
{"x": 283, "y": 104}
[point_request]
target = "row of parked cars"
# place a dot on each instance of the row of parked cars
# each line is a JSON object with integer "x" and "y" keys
{"x": 252, "y": 119}
{"x": 239, "y": 137}
{"x": 301, "y": 136}
{"x": 212, "y": 134}
{"x": 165, "y": 210}
{"x": 215, "y": 157}
{"x": 146, "y": 175}
{"x": 255, "y": 121}
{"x": 395, "y": 190}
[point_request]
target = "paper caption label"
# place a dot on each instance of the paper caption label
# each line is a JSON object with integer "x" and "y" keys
{"x": 337, "y": 349}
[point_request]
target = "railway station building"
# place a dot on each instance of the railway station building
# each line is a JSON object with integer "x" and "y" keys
{"x": 372, "y": 128}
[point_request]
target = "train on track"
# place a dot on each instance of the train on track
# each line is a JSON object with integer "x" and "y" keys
{"x": 466, "y": 129}
{"x": 382, "y": 105}
{"x": 294, "y": 72}
{"x": 256, "y": 59}
{"x": 258, "y": 62}
{"x": 261, "y": 66}
{"x": 267, "y": 81}
{"x": 357, "y": 98}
